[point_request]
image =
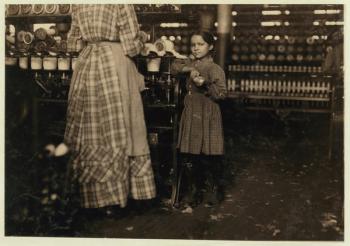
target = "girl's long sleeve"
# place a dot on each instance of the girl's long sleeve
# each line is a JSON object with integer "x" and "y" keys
{"x": 216, "y": 84}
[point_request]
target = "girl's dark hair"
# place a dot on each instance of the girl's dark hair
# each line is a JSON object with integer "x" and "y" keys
{"x": 207, "y": 36}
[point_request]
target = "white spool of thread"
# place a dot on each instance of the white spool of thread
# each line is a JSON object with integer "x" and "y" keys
{"x": 153, "y": 64}
{"x": 36, "y": 63}
{"x": 23, "y": 62}
{"x": 50, "y": 63}
{"x": 63, "y": 63}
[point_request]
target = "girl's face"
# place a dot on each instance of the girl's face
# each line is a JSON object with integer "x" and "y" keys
{"x": 199, "y": 47}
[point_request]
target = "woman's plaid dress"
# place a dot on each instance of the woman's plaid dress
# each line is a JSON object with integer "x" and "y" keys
{"x": 105, "y": 127}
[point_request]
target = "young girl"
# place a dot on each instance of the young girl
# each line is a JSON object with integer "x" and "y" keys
{"x": 200, "y": 135}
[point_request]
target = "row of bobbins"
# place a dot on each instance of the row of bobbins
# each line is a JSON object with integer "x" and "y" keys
{"x": 37, "y": 9}
{"x": 39, "y": 62}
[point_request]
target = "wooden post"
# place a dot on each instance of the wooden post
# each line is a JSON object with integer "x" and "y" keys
{"x": 331, "y": 122}
{"x": 224, "y": 27}
{"x": 206, "y": 21}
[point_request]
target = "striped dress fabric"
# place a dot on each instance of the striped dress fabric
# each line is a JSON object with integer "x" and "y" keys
{"x": 200, "y": 130}
{"x": 105, "y": 128}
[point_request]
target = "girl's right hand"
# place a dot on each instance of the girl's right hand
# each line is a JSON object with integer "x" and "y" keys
{"x": 194, "y": 74}
{"x": 198, "y": 81}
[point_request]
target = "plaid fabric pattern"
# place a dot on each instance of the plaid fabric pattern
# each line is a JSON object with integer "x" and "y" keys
{"x": 74, "y": 32}
{"x": 98, "y": 129}
{"x": 200, "y": 130}
{"x": 142, "y": 178}
{"x": 110, "y": 192}
{"x": 140, "y": 186}
{"x": 129, "y": 29}
{"x": 96, "y": 195}
{"x": 105, "y": 22}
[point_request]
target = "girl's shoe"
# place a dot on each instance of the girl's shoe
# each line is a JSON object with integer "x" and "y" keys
{"x": 193, "y": 198}
{"x": 214, "y": 196}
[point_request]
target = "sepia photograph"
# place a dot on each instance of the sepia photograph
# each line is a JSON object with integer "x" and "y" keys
{"x": 197, "y": 122}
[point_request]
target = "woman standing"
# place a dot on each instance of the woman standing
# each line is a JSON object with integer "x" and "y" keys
{"x": 105, "y": 128}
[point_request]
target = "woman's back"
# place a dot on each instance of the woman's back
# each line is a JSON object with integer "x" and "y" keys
{"x": 98, "y": 22}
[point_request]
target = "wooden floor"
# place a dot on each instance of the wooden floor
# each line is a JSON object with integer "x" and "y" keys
{"x": 284, "y": 188}
{"x": 281, "y": 187}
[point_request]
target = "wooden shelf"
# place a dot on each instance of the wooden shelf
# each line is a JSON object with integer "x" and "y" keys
{"x": 64, "y": 101}
{"x": 51, "y": 100}
{"x": 38, "y": 19}
{"x": 270, "y": 73}
{"x": 157, "y": 18}
{"x": 160, "y": 105}
{"x": 275, "y": 97}
{"x": 167, "y": 128}
{"x": 302, "y": 110}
